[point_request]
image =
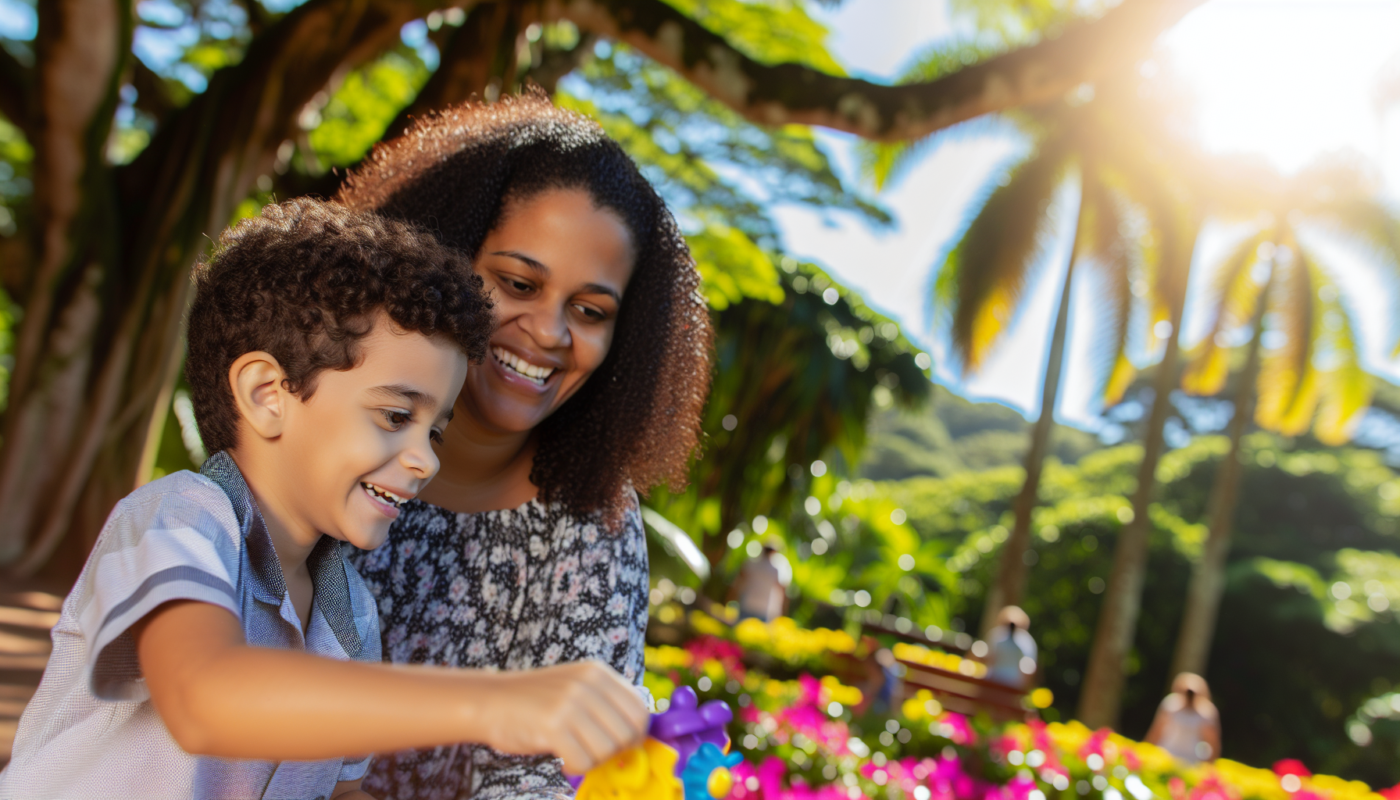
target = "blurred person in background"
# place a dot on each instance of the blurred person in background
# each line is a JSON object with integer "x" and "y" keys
{"x": 1187, "y": 724}
{"x": 1011, "y": 652}
{"x": 762, "y": 585}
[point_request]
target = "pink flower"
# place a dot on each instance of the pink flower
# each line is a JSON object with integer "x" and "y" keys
{"x": 1095, "y": 744}
{"x": 1393, "y": 793}
{"x": 961, "y": 731}
{"x": 1291, "y": 766}
{"x": 1212, "y": 789}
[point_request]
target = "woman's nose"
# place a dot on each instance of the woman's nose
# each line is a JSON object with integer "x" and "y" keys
{"x": 549, "y": 327}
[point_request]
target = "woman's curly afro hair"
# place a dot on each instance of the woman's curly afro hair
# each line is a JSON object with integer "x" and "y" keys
{"x": 636, "y": 422}
{"x": 305, "y": 281}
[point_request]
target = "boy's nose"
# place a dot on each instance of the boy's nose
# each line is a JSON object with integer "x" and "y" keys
{"x": 421, "y": 460}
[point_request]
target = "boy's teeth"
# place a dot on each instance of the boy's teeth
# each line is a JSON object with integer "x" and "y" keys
{"x": 522, "y": 367}
{"x": 384, "y": 494}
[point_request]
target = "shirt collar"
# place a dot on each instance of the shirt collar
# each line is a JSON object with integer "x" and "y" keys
{"x": 325, "y": 563}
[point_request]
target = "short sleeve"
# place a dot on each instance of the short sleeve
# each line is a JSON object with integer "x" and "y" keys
{"x": 352, "y": 769}
{"x": 174, "y": 539}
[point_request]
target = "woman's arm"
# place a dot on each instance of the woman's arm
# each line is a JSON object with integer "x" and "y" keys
{"x": 220, "y": 697}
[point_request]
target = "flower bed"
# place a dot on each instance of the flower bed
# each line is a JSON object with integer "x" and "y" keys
{"x": 817, "y": 738}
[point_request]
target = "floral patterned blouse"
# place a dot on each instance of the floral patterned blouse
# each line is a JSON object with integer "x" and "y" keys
{"x": 513, "y": 589}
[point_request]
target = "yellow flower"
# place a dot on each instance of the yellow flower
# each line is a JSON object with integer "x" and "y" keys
{"x": 833, "y": 689}
{"x": 751, "y": 633}
{"x": 642, "y": 773}
{"x": 704, "y": 623}
{"x": 666, "y": 657}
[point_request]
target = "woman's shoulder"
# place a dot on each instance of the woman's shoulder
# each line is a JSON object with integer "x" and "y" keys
{"x": 626, "y": 522}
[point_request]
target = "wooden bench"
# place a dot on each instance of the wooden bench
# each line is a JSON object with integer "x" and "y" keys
{"x": 964, "y": 694}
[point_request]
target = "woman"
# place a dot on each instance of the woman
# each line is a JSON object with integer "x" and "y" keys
{"x": 1187, "y": 724}
{"x": 527, "y": 549}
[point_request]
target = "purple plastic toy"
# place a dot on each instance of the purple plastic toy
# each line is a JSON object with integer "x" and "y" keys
{"x": 683, "y": 727}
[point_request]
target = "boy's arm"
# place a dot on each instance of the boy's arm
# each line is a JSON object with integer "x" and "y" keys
{"x": 220, "y": 697}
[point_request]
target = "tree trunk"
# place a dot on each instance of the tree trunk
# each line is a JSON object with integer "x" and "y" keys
{"x": 1010, "y": 585}
{"x": 80, "y": 49}
{"x": 1104, "y": 678}
{"x": 1208, "y": 576}
{"x": 102, "y": 316}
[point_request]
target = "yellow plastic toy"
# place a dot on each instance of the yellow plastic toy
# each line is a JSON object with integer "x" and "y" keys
{"x": 646, "y": 772}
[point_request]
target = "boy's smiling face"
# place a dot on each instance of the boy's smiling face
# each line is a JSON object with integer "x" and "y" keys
{"x": 342, "y": 461}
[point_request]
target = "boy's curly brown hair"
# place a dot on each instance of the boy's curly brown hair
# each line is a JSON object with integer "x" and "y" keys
{"x": 636, "y": 422}
{"x": 305, "y": 282}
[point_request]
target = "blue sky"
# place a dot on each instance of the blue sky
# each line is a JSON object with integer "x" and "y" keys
{"x": 1288, "y": 79}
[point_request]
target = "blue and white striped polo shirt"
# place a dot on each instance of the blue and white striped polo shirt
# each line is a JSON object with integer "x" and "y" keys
{"x": 91, "y": 730}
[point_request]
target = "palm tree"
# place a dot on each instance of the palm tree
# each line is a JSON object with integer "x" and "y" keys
{"x": 1317, "y": 373}
{"x": 982, "y": 280}
{"x": 1178, "y": 225}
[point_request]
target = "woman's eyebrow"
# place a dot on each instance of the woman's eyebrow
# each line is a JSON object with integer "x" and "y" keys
{"x": 534, "y": 265}
{"x": 598, "y": 288}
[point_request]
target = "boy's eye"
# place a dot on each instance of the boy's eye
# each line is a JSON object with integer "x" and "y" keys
{"x": 396, "y": 419}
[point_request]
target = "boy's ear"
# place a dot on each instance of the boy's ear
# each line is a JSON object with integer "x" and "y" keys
{"x": 256, "y": 379}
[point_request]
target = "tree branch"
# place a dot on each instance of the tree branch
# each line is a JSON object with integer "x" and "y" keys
{"x": 481, "y": 50}
{"x": 16, "y": 86}
{"x": 791, "y": 93}
{"x": 152, "y": 95}
{"x": 555, "y": 64}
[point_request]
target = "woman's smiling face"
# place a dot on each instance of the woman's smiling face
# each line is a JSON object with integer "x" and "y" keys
{"x": 556, "y": 267}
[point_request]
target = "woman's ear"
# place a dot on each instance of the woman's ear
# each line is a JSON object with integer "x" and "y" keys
{"x": 256, "y": 379}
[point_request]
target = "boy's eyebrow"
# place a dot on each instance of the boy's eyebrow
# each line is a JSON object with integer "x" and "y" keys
{"x": 398, "y": 391}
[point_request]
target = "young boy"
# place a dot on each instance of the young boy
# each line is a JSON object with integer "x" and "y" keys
{"x": 209, "y": 647}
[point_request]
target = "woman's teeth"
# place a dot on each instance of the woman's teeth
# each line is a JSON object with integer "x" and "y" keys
{"x": 536, "y": 374}
{"x": 384, "y": 494}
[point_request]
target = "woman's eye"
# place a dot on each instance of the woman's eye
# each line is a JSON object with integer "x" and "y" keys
{"x": 396, "y": 419}
{"x": 517, "y": 285}
{"x": 591, "y": 312}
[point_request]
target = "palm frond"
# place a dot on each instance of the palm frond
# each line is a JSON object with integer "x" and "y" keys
{"x": 1288, "y": 379}
{"x": 1170, "y": 238}
{"x": 1233, "y": 296}
{"x": 1345, "y": 386}
{"x": 983, "y": 277}
{"x": 1367, "y": 222}
{"x": 1104, "y": 239}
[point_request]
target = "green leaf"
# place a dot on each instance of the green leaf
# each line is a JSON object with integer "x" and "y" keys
{"x": 768, "y": 31}
{"x": 367, "y": 101}
{"x": 733, "y": 267}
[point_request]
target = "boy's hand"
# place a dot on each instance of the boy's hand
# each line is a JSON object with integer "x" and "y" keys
{"x": 584, "y": 713}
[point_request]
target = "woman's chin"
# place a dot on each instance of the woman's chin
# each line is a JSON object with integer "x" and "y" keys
{"x": 513, "y": 418}
{"x": 502, "y": 406}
